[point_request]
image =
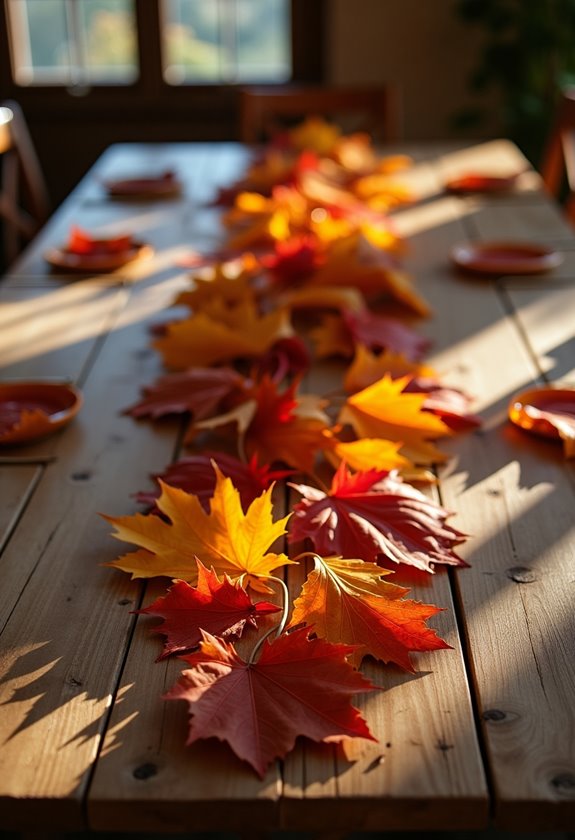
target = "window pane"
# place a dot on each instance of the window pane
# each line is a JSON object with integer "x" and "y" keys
{"x": 263, "y": 41}
{"x": 191, "y": 41}
{"x": 226, "y": 41}
{"x": 73, "y": 42}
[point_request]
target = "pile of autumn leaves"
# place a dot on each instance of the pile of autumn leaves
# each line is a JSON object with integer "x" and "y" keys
{"x": 312, "y": 271}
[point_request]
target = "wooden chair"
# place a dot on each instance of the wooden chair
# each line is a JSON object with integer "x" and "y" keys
{"x": 558, "y": 160}
{"x": 374, "y": 109}
{"x": 24, "y": 203}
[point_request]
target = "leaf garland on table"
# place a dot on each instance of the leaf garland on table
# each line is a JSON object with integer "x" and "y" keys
{"x": 312, "y": 261}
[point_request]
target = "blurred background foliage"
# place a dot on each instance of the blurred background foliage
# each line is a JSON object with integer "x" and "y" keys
{"x": 528, "y": 56}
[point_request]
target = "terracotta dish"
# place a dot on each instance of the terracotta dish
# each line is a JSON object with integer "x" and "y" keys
{"x": 30, "y": 410}
{"x": 63, "y": 259}
{"x": 499, "y": 258}
{"x": 476, "y": 182}
{"x": 547, "y": 412}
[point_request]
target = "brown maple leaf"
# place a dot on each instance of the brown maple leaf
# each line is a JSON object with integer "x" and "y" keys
{"x": 220, "y": 607}
{"x": 374, "y": 515}
{"x": 347, "y": 600}
{"x": 200, "y": 391}
{"x": 298, "y": 687}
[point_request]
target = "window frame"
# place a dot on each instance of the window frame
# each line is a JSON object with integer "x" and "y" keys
{"x": 151, "y": 90}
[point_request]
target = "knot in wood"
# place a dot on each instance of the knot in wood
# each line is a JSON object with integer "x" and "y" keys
{"x": 564, "y": 783}
{"x": 493, "y": 714}
{"x": 521, "y": 574}
{"x": 145, "y": 771}
{"x": 81, "y": 475}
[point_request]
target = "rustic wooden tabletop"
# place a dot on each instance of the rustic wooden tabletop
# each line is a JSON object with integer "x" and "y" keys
{"x": 480, "y": 734}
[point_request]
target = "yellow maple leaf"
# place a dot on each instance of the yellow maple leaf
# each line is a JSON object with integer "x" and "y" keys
{"x": 368, "y": 367}
{"x": 332, "y": 338}
{"x": 233, "y": 543}
{"x": 201, "y": 340}
{"x": 229, "y": 281}
{"x": 365, "y": 454}
{"x": 315, "y": 134}
{"x": 383, "y": 410}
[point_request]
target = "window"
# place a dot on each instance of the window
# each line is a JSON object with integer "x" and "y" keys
{"x": 71, "y": 43}
{"x": 226, "y": 41}
{"x": 82, "y": 43}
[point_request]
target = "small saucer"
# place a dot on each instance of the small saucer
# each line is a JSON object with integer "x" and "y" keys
{"x": 143, "y": 188}
{"x": 546, "y": 412}
{"x": 30, "y": 410}
{"x": 498, "y": 258}
{"x": 63, "y": 259}
{"x": 477, "y": 182}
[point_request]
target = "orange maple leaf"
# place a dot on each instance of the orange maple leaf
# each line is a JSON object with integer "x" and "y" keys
{"x": 383, "y": 410}
{"x": 368, "y": 367}
{"x": 355, "y": 261}
{"x": 225, "y": 538}
{"x": 298, "y": 687}
{"x": 346, "y": 600}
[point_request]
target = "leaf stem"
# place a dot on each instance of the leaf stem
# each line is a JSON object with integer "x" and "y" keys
{"x": 280, "y": 627}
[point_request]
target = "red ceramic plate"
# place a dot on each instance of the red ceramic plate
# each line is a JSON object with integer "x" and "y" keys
{"x": 476, "y": 182}
{"x": 31, "y": 410}
{"x": 548, "y": 412}
{"x": 63, "y": 259}
{"x": 161, "y": 186}
{"x": 504, "y": 258}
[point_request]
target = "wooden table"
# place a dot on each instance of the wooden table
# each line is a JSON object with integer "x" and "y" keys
{"x": 482, "y": 734}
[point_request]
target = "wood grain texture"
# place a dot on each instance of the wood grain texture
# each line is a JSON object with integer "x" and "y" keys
{"x": 77, "y": 671}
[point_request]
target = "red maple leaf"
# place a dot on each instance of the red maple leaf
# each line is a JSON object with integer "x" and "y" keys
{"x": 220, "y": 607}
{"x": 195, "y": 474}
{"x": 201, "y": 391}
{"x": 380, "y": 333}
{"x": 298, "y": 686}
{"x": 373, "y": 515}
{"x": 294, "y": 260}
{"x": 450, "y": 404}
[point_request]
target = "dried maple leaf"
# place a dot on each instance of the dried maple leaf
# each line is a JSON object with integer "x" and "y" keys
{"x": 378, "y": 332}
{"x": 201, "y": 341}
{"x": 347, "y": 600}
{"x": 384, "y": 410}
{"x": 196, "y": 475}
{"x": 232, "y": 542}
{"x": 355, "y": 261}
{"x": 359, "y": 328}
{"x": 231, "y": 281}
{"x": 364, "y": 454}
{"x": 201, "y": 391}
{"x": 368, "y": 367}
{"x": 294, "y": 260}
{"x": 219, "y": 607}
{"x": 373, "y": 515}
{"x": 297, "y": 687}
{"x": 278, "y": 425}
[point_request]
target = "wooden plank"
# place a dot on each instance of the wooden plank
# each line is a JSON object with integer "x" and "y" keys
{"x": 517, "y": 597}
{"x": 426, "y": 772}
{"x": 63, "y": 647}
{"x": 204, "y": 787}
{"x": 17, "y": 483}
